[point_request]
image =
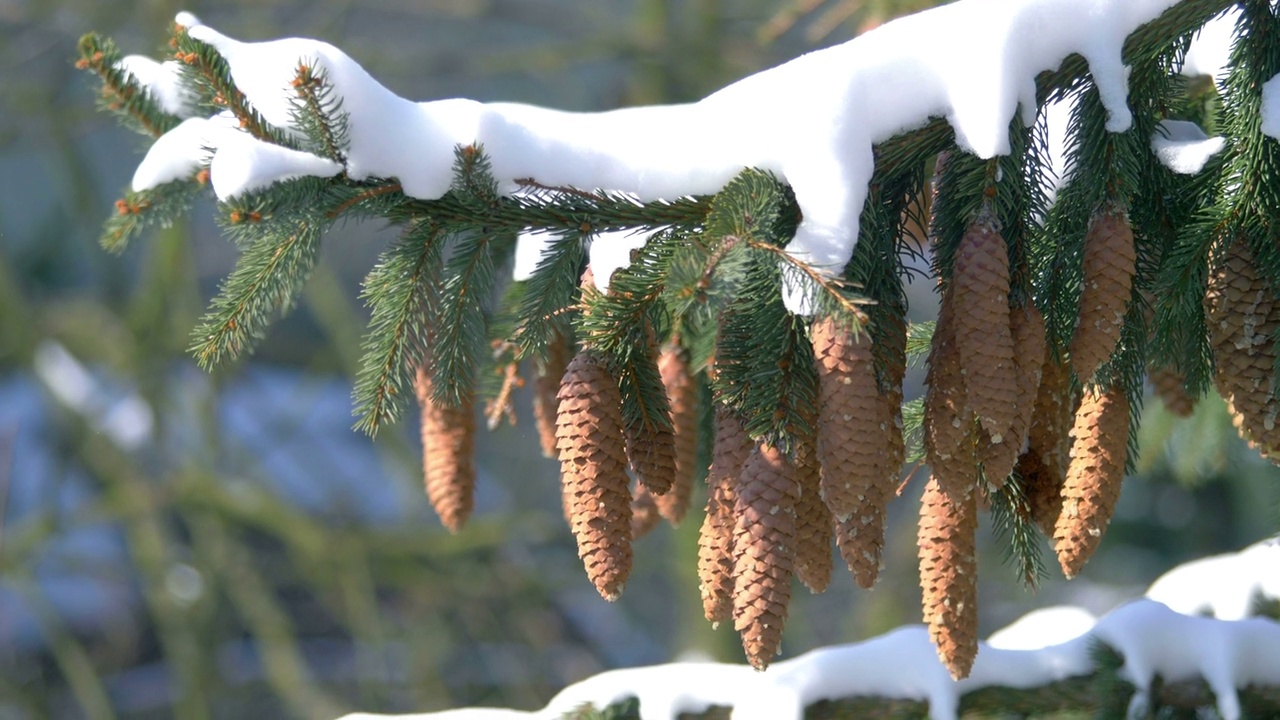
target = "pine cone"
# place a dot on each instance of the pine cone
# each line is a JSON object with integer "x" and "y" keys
{"x": 545, "y": 389}
{"x": 593, "y": 472}
{"x": 682, "y": 394}
{"x": 1242, "y": 316}
{"x": 949, "y": 571}
{"x": 1042, "y": 489}
{"x": 644, "y": 512}
{"x": 732, "y": 446}
{"x": 1170, "y": 385}
{"x": 980, "y": 310}
{"x": 1052, "y": 417}
{"x": 448, "y": 448}
{"x": 764, "y": 551}
{"x": 1099, "y": 449}
{"x": 650, "y": 448}
{"x": 1108, "y": 268}
{"x": 1029, "y": 344}
{"x": 814, "y": 524}
{"x": 948, "y": 421}
{"x": 893, "y": 341}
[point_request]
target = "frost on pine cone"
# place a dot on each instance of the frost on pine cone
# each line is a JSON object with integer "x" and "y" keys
{"x": 764, "y": 551}
{"x": 593, "y": 472}
{"x": 1108, "y": 268}
{"x": 731, "y": 448}
{"x": 448, "y": 443}
{"x": 682, "y": 394}
{"x": 1242, "y": 316}
{"x": 1099, "y": 450}
{"x": 979, "y": 296}
{"x": 855, "y": 444}
{"x": 949, "y": 570}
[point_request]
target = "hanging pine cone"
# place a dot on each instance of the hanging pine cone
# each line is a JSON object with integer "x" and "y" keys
{"x": 980, "y": 302}
{"x": 644, "y": 512}
{"x": 948, "y": 421}
{"x": 949, "y": 571}
{"x": 593, "y": 472}
{"x": 682, "y": 394}
{"x": 814, "y": 523}
{"x": 1242, "y": 317}
{"x": 448, "y": 445}
{"x": 1052, "y": 417}
{"x": 1171, "y": 386}
{"x": 1042, "y": 489}
{"x": 764, "y": 551}
{"x": 1029, "y": 344}
{"x": 893, "y": 340}
{"x": 1099, "y": 450}
{"x": 545, "y": 389}
{"x": 731, "y": 448}
{"x": 651, "y": 448}
{"x": 1108, "y": 268}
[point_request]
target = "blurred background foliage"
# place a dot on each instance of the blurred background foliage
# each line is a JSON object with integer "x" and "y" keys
{"x": 204, "y": 546}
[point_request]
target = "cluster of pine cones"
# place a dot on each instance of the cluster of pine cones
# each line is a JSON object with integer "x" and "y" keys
{"x": 1000, "y": 404}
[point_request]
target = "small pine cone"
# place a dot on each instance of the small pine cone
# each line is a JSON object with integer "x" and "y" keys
{"x": 1029, "y": 344}
{"x": 644, "y": 512}
{"x": 1171, "y": 386}
{"x": 448, "y": 445}
{"x": 1242, "y": 316}
{"x": 894, "y": 345}
{"x": 854, "y": 422}
{"x": 650, "y": 448}
{"x": 948, "y": 421}
{"x": 1052, "y": 417}
{"x": 980, "y": 310}
{"x": 682, "y": 394}
{"x": 949, "y": 571}
{"x": 545, "y": 389}
{"x": 1099, "y": 449}
{"x": 814, "y": 524}
{"x": 732, "y": 446}
{"x": 1108, "y": 268}
{"x": 764, "y": 545}
{"x": 593, "y": 472}
{"x": 1043, "y": 491}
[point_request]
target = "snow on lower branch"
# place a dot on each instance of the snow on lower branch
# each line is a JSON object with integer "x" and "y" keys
{"x": 973, "y": 62}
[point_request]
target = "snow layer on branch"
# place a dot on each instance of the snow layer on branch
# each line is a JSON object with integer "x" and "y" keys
{"x": 162, "y": 81}
{"x": 1043, "y": 627}
{"x": 1183, "y": 147}
{"x": 179, "y": 153}
{"x": 243, "y": 163}
{"x": 1223, "y": 585}
{"x": 611, "y": 251}
{"x": 973, "y": 62}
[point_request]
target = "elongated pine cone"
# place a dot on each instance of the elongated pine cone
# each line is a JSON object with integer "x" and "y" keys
{"x": 593, "y": 472}
{"x": 682, "y": 394}
{"x": 1170, "y": 385}
{"x": 814, "y": 523}
{"x": 1242, "y": 316}
{"x": 651, "y": 448}
{"x": 1099, "y": 449}
{"x": 448, "y": 449}
{"x": 894, "y": 339}
{"x": 731, "y": 448}
{"x": 1048, "y": 437}
{"x": 949, "y": 571}
{"x": 1042, "y": 489}
{"x": 644, "y": 512}
{"x": 764, "y": 551}
{"x": 980, "y": 310}
{"x": 545, "y": 389}
{"x": 948, "y": 421}
{"x": 1108, "y": 268}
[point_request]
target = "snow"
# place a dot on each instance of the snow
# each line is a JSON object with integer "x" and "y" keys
{"x": 611, "y": 251}
{"x": 1183, "y": 147}
{"x": 243, "y": 163}
{"x": 1223, "y": 586}
{"x": 973, "y": 62}
{"x": 1271, "y": 107}
{"x": 1210, "y": 49}
{"x": 163, "y": 81}
{"x": 531, "y": 248}
{"x": 179, "y": 153}
{"x": 1042, "y": 627}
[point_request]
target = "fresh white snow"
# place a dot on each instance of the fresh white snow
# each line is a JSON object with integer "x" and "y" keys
{"x": 1224, "y": 586}
{"x": 1043, "y": 627}
{"x": 1210, "y": 49}
{"x": 162, "y": 81}
{"x": 972, "y": 62}
{"x": 244, "y": 163}
{"x": 1183, "y": 146}
{"x": 1271, "y": 107}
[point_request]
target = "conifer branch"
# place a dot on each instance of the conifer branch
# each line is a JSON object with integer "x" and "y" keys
{"x": 161, "y": 205}
{"x": 210, "y": 77}
{"x": 318, "y": 113}
{"x": 122, "y": 95}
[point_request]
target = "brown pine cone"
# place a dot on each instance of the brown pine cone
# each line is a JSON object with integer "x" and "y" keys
{"x": 949, "y": 571}
{"x": 894, "y": 341}
{"x": 545, "y": 389}
{"x": 1052, "y": 417}
{"x": 1170, "y": 385}
{"x": 814, "y": 524}
{"x": 1042, "y": 489}
{"x": 1029, "y": 343}
{"x": 1108, "y": 268}
{"x": 651, "y": 448}
{"x": 949, "y": 426}
{"x": 764, "y": 551}
{"x": 731, "y": 448}
{"x": 593, "y": 472}
{"x": 980, "y": 310}
{"x": 448, "y": 449}
{"x": 682, "y": 394}
{"x": 1099, "y": 449}
{"x": 1242, "y": 316}
{"x": 644, "y": 512}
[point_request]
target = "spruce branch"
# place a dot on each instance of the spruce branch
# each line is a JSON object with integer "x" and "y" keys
{"x": 1015, "y": 529}
{"x": 318, "y": 114}
{"x": 458, "y": 328}
{"x": 162, "y": 205}
{"x": 209, "y": 76}
{"x": 121, "y": 94}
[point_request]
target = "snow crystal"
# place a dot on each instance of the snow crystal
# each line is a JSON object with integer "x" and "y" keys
{"x": 1183, "y": 147}
{"x": 243, "y": 163}
{"x": 162, "y": 81}
{"x": 1224, "y": 586}
{"x": 611, "y": 251}
{"x": 1271, "y": 107}
{"x": 973, "y": 62}
{"x": 1043, "y": 627}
